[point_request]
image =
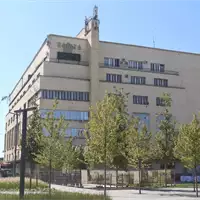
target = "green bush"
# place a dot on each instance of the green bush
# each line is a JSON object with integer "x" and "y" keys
{"x": 12, "y": 183}
{"x": 55, "y": 196}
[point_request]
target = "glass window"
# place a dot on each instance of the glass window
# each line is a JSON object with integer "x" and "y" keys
{"x": 106, "y": 61}
{"x": 63, "y": 95}
{"x": 50, "y": 94}
{"x": 108, "y": 77}
{"x": 116, "y": 62}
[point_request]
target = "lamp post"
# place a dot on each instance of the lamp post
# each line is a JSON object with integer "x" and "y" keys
{"x": 23, "y": 149}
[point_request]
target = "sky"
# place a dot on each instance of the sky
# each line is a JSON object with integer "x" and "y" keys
{"x": 25, "y": 24}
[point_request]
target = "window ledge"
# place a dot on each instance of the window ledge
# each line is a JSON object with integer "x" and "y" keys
{"x": 173, "y": 87}
{"x": 166, "y": 72}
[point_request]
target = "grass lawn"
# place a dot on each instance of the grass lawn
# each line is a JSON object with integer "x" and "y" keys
{"x": 55, "y": 196}
{"x": 12, "y": 183}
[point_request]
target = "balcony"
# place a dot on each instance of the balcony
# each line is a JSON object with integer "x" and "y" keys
{"x": 55, "y": 60}
{"x": 148, "y": 70}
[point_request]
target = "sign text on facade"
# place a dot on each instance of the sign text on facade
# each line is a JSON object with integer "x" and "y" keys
{"x": 68, "y": 46}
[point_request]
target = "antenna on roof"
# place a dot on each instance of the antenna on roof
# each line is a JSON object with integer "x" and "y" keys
{"x": 153, "y": 42}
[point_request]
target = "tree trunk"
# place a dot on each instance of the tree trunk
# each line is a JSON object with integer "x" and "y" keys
{"x": 81, "y": 185}
{"x": 174, "y": 173}
{"x": 165, "y": 174}
{"x": 116, "y": 177}
{"x": 139, "y": 167}
{"x": 31, "y": 175}
{"x": 50, "y": 168}
{"x": 196, "y": 181}
{"x": 36, "y": 175}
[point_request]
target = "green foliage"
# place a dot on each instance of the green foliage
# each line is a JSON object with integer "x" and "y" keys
{"x": 166, "y": 136}
{"x": 34, "y": 135}
{"x": 188, "y": 144}
{"x": 13, "y": 184}
{"x": 105, "y": 139}
{"x": 54, "y": 196}
{"x": 139, "y": 145}
{"x": 72, "y": 156}
{"x": 53, "y": 142}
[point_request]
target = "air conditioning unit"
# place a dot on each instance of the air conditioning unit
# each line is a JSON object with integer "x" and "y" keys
{"x": 126, "y": 75}
{"x": 145, "y": 62}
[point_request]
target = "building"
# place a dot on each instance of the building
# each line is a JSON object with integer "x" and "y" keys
{"x": 78, "y": 70}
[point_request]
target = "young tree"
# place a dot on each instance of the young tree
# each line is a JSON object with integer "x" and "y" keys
{"x": 188, "y": 146}
{"x": 139, "y": 147}
{"x": 73, "y": 157}
{"x": 105, "y": 142}
{"x": 34, "y": 135}
{"x": 166, "y": 136}
{"x": 51, "y": 153}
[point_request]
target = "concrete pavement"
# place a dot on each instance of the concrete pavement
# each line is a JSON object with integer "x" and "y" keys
{"x": 174, "y": 194}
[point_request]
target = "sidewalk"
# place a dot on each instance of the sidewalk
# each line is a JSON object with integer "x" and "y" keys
{"x": 174, "y": 194}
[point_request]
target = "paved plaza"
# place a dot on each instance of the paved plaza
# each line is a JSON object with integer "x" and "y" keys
{"x": 174, "y": 194}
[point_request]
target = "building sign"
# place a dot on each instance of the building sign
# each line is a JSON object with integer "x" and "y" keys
{"x": 68, "y": 47}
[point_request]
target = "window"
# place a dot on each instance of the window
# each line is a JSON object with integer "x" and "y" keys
{"x": 138, "y": 80}
{"x": 156, "y": 67}
{"x": 143, "y": 100}
{"x": 160, "y": 101}
{"x": 65, "y": 95}
{"x": 111, "y": 62}
{"x": 117, "y": 78}
{"x": 74, "y": 132}
{"x": 135, "y": 64}
{"x": 161, "y": 82}
{"x": 68, "y": 115}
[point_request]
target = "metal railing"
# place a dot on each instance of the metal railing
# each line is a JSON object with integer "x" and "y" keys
{"x": 123, "y": 67}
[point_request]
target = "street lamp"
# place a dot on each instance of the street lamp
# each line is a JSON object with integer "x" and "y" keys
{"x": 23, "y": 148}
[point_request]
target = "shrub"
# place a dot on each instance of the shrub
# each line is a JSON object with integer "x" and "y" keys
{"x": 55, "y": 196}
{"x": 12, "y": 183}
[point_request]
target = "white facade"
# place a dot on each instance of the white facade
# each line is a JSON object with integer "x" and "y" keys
{"x": 142, "y": 71}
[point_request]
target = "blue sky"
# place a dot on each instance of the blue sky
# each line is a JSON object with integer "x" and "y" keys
{"x": 25, "y": 24}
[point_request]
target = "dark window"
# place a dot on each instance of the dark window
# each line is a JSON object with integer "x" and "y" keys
{"x": 117, "y": 78}
{"x": 65, "y": 95}
{"x": 161, "y": 82}
{"x": 135, "y": 64}
{"x": 68, "y": 56}
{"x": 116, "y": 62}
{"x": 108, "y": 77}
{"x": 156, "y": 67}
{"x": 111, "y": 62}
{"x": 138, "y": 80}
{"x": 50, "y": 92}
{"x": 143, "y": 100}
{"x": 160, "y": 101}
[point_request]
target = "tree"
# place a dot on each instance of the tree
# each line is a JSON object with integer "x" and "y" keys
{"x": 188, "y": 146}
{"x": 105, "y": 142}
{"x": 166, "y": 136}
{"x": 51, "y": 154}
{"x": 34, "y": 135}
{"x": 139, "y": 147}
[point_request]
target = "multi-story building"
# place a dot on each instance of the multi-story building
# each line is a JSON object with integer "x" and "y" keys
{"x": 78, "y": 70}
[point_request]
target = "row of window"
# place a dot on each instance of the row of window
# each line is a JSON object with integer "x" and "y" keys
{"x": 68, "y": 115}
{"x": 138, "y": 80}
{"x": 143, "y": 100}
{"x": 65, "y": 95}
{"x": 115, "y": 62}
{"x": 70, "y": 132}
{"x": 117, "y": 78}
